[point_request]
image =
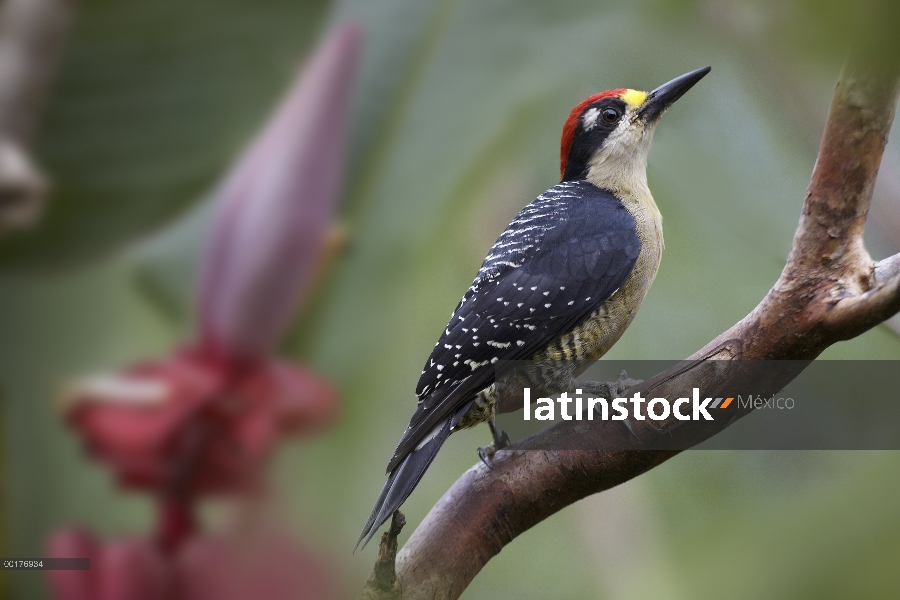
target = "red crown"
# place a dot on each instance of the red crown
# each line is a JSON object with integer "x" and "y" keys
{"x": 568, "y": 132}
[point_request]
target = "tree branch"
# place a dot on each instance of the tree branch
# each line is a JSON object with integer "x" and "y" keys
{"x": 383, "y": 583}
{"x": 830, "y": 290}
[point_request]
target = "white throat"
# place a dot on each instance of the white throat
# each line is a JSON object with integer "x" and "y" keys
{"x": 620, "y": 166}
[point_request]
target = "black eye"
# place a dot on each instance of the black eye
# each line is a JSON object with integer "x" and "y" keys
{"x": 610, "y": 115}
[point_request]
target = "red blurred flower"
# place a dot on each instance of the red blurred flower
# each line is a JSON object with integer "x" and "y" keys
{"x": 203, "y": 419}
{"x": 187, "y": 417}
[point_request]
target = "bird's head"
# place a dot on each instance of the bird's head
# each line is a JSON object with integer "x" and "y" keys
{"x": 606, "y": 138}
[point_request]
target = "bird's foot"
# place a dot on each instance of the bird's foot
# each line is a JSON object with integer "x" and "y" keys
{"x": 624, "y": 382}
{"x": 485, "y": 453}
{"x": 501, "y": 441}
{"x": 606, "y": 389}
{"x": 609, "y": 390}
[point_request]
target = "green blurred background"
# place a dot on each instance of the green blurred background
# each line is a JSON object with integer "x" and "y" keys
{"x": 456, "y": 127}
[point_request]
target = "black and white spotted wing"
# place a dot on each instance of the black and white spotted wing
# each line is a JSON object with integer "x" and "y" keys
{"x": 561, "y": 258}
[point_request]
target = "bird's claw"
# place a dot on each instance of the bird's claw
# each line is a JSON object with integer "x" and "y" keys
{"x": 606, "y": 389}
{"x": 630, "y": 429}
{"x": 484, "y": 454}
{"x": 501, "y": 441}
{"x": 624, "y": 382}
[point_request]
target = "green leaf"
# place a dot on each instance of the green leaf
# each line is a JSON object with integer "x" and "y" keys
{"x": 153, "y": 100}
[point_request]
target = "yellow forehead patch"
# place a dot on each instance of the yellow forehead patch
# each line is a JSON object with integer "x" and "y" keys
{"x": 634, "y": 98}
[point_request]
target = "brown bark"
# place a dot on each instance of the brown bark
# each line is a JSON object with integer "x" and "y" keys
{"x": 383, "y": 583}
{"x": 830, "y": 290}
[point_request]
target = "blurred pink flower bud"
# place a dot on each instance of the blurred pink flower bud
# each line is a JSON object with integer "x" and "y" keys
{"x": 273, "y": 210}
{"x": 185, "y": 415}
{"x": 202, "y": 420}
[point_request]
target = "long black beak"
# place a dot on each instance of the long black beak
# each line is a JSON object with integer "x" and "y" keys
{"x": 665, "y": 95}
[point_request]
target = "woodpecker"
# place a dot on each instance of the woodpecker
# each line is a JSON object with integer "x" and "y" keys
{"x": 562, "y": 282}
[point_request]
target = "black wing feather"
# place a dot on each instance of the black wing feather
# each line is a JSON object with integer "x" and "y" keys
{"x": 559, "y": 260}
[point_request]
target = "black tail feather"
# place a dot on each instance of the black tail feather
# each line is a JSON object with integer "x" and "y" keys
{"x": 403, "y": 480}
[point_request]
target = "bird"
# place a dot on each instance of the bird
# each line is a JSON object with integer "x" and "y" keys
{"x": 562, "y": 282}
